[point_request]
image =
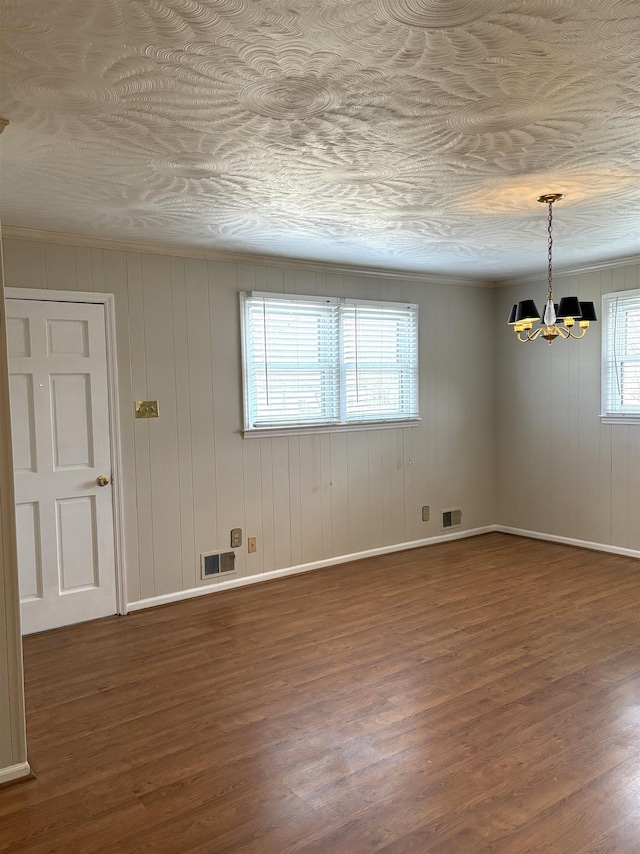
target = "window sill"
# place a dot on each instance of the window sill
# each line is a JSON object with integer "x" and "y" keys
{"x": 271, "y": 432}
{"x": 620, "y": 419}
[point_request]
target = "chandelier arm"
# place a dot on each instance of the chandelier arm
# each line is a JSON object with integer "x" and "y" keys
{"x": 536, "y": 334}
{"x": 578, "y": 337}
{"x": 564, "y": 333}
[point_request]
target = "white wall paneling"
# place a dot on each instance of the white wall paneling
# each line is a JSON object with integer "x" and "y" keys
{"x": 13, "y": 745}
{"x": 189, "y": 476}
{"x": 561, "y": 471}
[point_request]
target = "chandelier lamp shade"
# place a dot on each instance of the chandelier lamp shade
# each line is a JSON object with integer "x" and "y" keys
{"x": 556, "y": 320}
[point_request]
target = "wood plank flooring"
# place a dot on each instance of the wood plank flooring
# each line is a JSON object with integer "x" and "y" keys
{"x": 471, "y": 697}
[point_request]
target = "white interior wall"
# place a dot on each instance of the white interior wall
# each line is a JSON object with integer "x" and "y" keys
{"x": 13, "y": 747}
{"x": 190, "y": 476}
{"x": 561, "y": 471}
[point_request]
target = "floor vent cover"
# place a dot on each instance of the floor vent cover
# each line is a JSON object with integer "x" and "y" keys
{"x": 217, "y": 563}
{"x": 452, "y": 518}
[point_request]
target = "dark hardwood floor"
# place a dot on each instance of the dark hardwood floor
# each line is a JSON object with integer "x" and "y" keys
{"x": 476, "y": 696}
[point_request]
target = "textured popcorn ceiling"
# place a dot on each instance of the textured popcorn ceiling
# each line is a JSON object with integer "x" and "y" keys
{"x": 403, "y": 134}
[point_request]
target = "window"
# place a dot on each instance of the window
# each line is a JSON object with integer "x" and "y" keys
{"x": 317, "y": 362}
{"x": 621, "y": 355}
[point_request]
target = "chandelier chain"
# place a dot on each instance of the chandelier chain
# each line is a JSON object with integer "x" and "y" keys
{"x": 550, "y": 243}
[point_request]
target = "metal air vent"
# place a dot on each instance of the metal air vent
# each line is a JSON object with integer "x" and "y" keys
{"x": 217, "y": 563}
{"x": 452, "y": 518}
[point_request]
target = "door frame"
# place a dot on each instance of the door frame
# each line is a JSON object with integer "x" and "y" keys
{"x": 108, "y": 301}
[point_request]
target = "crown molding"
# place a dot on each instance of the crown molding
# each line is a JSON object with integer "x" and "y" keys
{"x": 569, "y": 271}
{"x": 237, "y": 257}
{"x": 299, "y": 263}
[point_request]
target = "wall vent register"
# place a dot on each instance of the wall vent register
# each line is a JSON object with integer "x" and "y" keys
{"x": 217, "y": 563}
{"x": 452, "y": 518}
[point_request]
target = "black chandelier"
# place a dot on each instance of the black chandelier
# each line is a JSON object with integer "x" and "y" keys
{"x": 558, "y": 321}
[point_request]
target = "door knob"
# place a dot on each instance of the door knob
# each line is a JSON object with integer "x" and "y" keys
{"x": 102, "y": 480}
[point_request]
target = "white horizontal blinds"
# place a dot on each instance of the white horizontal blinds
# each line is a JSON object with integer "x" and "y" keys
{"x": 380, "y": 361}
{"x": 291, "y": 361}
{"x": 317, "y": 361}
{"x": 621, "y": 354}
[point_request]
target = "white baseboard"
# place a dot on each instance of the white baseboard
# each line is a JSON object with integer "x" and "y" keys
{"x": 568, "y": 541}
{"x": 179, "y": 595}
{"x": 192, "y": 592}
{"x": 14, "y": 772}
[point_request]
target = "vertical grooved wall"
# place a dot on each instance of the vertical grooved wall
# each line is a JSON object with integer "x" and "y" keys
{"x": 562, "y": 471}
{"x": 190, "y": 476}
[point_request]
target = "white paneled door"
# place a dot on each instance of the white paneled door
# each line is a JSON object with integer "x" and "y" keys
{"x": 62, "y": 460}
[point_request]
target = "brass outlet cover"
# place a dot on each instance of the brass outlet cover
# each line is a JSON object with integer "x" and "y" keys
{"x": 146, "y": 409}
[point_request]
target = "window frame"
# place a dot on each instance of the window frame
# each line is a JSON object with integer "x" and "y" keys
{"x": 610, "y": 307}
{"x": 300, "y": 428}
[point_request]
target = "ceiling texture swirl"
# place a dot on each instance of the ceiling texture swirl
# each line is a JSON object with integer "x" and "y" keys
{"x": 408, "y": 135}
